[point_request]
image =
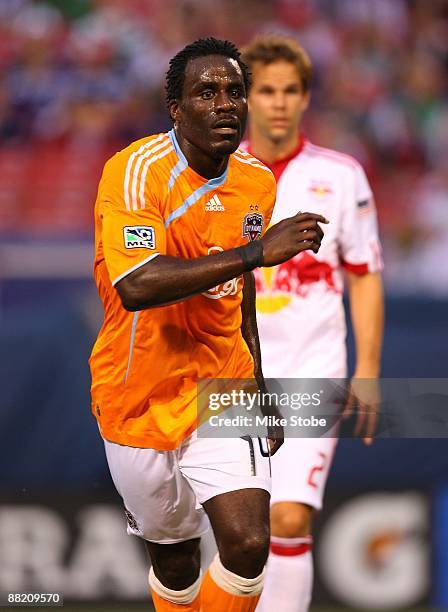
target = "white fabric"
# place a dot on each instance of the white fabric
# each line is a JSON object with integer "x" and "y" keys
{"x": 300, "y": 313}
{"x": 300, "y": 470}
{"x": 183, "y": 597}
{"x": 234, "y": 584}
{"x": 288, "y": 583}
{"x": 163, "y": 490}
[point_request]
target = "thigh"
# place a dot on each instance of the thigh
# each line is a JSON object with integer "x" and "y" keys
{"x": 160, "y": 504}
{"x": 300, "y": 470}
{"x": 214, "y": 466}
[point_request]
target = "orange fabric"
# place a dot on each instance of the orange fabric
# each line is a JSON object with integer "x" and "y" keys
{"x": 145, "y": 365}
{"x": 162, "y": 605}
{"x": 215, "y": 599}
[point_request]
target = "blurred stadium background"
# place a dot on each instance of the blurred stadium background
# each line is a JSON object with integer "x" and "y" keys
{"x": 80, "y": 79}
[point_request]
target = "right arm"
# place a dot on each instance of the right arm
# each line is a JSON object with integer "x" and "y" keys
{"x": 138, "y": 266}
{"x": 167, "y": 279}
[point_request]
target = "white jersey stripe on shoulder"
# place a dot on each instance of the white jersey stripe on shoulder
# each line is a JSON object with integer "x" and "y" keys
{"x": 150, "y": 161}
{"x": 136, "y": 171}
{"x": 148, "y": 153}
{"x": 247, "y": 155}
{"x": 330, "y": 154}
{"x": 252, "y": 163}
{"x": 243, "y": 153}
{"x": 127, "y": 176}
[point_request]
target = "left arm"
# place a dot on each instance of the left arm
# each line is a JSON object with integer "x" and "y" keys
{"x": 249, "y": 331}
{"x": 360, "y": 252}
{"x": 249, "y": 327}
{"x": 367, "y": 314}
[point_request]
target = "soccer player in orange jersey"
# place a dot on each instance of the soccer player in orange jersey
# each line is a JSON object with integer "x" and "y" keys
{"x": 180, "y": 224}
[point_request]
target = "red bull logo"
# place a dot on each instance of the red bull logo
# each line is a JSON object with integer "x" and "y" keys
{"x": 320, "y": 190}
{"x": 277, "y": 286}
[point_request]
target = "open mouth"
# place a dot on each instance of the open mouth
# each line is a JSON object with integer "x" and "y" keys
{"x": 226, "y": 126}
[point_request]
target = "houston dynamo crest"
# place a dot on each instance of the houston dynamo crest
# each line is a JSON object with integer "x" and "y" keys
{"x": 253, "y": 225}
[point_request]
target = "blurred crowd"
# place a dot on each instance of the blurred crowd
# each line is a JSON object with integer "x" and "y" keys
{"x": 87, "y": 76}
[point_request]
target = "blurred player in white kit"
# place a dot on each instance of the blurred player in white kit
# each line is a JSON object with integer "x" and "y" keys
{"x": 301, "y": 300}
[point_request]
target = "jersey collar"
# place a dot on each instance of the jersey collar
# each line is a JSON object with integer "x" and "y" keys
{"x": 280, "y": 165}
{"x": 182, "y": 164}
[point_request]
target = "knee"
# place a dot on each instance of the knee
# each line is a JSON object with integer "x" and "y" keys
{"x": 246, "y": 555}
{"x": 291, "y": 520}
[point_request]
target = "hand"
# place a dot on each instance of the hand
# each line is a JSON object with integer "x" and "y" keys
{"x": 365, "y": 395}
{"x": 276, "y": 438}
{"x": 276, "y": 434}
{"x": 291, "y": 236}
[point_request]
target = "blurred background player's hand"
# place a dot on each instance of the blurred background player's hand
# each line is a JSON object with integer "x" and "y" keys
{"x": 291, "y": 236}
{"x": 364, "y": 397}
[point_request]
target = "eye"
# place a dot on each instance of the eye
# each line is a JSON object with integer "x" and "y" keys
{"x": 207, "y": 94}
{"x": 236, "y": 93}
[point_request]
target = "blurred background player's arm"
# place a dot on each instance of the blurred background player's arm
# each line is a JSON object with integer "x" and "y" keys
{"x": 367, "y": 315}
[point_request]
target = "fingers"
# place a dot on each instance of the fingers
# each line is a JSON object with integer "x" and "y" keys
{"x": 310, "y": 234}
{"x": 372, "y": 420}
{"x": 348, "y": 408}
{"x": 360, "y": 421}
{"x": 307, "y": 225}
{"x": 300, "y": 216}
{"x": 309, "y": 230}
{"x": 274, "y": 444}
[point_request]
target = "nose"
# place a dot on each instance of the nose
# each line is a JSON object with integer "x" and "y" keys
{"x": 224, "y": 102}
{"x": 279, "y": 100}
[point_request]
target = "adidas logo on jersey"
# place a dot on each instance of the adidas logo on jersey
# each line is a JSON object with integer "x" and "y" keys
{"x": 214, "y": 205}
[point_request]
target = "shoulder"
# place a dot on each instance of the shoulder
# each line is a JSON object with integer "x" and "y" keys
{"x": 334, "y": 161}
{"x": 253, "y": 169}
{"x": 340, "y": 168}
{"x": 128, "y": 170}
{"x": 150, "y": 149}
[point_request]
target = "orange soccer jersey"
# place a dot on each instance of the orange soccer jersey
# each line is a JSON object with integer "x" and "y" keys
{"x": 145, "y": 365}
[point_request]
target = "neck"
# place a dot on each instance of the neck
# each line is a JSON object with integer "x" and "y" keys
{"x": 271, "y": 151}
{"x": 206, "y": 166}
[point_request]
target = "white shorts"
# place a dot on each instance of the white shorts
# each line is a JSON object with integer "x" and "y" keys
{"x": 300, "y": 470}
{"x": 163, "y": 491}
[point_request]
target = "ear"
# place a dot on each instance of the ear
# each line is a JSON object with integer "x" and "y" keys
{"x": 306, "y": 100}
{"x": 174, "y": 109}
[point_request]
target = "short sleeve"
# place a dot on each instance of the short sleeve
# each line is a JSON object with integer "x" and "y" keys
{"x": 131, "y": 237}
{"x": 360, "y": 248}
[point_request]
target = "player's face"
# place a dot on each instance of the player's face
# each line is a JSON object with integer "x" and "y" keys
{"x": 212, "y": 113}
{"x": 277, "y": 100}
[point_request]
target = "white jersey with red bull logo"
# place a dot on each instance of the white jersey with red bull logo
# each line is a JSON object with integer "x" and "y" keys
{"x": 300, "y": 313}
